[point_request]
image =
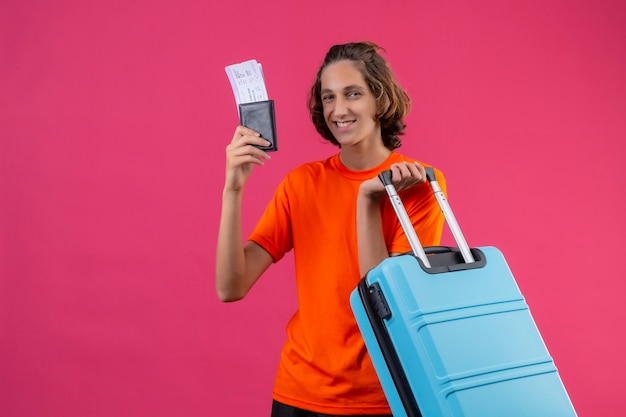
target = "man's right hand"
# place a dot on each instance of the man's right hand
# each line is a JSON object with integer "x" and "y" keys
{"x": 241, "y": 156}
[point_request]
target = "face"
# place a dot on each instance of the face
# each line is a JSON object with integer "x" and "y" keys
{"x": 349, "y": 106}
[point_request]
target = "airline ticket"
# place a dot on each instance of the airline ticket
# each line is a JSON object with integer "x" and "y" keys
{"x": 247, "y": 82}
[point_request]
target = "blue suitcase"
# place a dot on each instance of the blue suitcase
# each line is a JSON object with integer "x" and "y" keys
{"x": 450, "y": 334}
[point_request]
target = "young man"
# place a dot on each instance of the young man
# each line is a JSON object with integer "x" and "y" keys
{"x": 332, "y": 214}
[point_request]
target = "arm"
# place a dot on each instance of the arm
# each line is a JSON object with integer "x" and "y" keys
{"x": 370, "y": 239}
{"x": 238, "y": 266}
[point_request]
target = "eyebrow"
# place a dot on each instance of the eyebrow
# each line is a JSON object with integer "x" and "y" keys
{"x": 346, "y": 88}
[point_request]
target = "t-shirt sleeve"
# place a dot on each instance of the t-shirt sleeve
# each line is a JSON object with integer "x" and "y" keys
{"x": 273, "y": 231}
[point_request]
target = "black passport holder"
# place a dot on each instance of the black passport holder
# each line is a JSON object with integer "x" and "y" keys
{"x": 259, "y": 116}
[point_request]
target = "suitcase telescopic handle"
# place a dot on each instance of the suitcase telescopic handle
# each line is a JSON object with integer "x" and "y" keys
{"x": 447, "y": 213}
{"x": 407, "y": 226}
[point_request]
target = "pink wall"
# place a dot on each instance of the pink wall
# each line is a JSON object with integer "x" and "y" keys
{"x": 114, "y": 116}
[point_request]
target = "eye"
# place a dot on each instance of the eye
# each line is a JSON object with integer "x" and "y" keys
{"x": 327, "y": 97}
{"x": 353, "y": 94}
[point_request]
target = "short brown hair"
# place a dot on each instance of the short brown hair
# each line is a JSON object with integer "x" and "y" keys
{"x": 393, "y": 103}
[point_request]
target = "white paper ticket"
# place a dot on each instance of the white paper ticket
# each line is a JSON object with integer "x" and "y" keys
{"x": 247, "y": 82}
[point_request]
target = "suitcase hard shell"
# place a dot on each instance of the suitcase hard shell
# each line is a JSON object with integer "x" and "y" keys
{"x": 456, "y": 339}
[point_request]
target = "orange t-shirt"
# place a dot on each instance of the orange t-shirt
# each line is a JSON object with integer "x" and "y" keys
{"x": 324, "y": 366}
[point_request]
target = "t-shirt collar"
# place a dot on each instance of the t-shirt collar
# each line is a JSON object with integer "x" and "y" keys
{"x": 363, "y": 175}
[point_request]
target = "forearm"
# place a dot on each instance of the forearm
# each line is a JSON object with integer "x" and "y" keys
{"x": 230, "y": 262}
{"x": 371, "y": 242}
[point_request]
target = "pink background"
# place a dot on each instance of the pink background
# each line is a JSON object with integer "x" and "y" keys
{"x": 114, "y": 116}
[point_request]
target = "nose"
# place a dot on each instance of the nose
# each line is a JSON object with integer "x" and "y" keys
{"x": 341, "y": 106}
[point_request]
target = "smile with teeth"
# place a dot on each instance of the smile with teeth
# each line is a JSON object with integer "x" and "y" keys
{"x": 344, "y": 124}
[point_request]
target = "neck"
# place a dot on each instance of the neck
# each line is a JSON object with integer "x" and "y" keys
{"x": 362, "y": 157}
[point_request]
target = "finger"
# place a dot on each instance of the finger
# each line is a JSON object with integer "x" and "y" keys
{"x": 244, "y": 140}
{"x": 415, "y": 173}
{"x": 400, "y": 171}
{"x": 245, "y": 131}
{"x": 418, "y": 172}
{"x": 407, "y": 174}
{"x": 240, "y": 154}
{"x": 252, "y": 159}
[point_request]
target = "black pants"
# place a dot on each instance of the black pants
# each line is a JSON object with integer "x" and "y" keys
{"x": 282, "y": 410}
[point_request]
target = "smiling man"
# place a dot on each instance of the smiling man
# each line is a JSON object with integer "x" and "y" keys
{"x": 330, "y": 213}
